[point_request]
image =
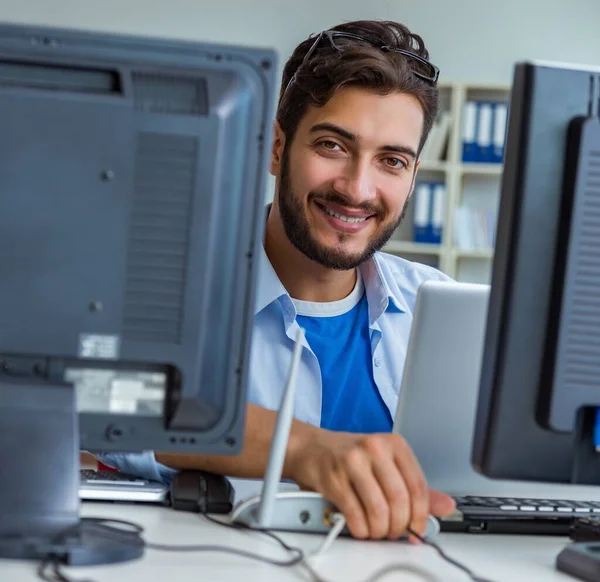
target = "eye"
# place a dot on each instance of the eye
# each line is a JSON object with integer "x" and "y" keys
{"x": 395, "y": 163}
{"x": 329, "y": 145}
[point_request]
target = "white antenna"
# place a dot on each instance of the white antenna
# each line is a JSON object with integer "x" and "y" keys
{"x": 280, "y": 439}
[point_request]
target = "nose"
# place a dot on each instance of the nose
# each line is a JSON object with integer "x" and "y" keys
{"x": 357, "y": 182}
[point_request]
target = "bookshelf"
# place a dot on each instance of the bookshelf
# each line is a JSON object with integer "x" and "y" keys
{"x": 474, "y": 184}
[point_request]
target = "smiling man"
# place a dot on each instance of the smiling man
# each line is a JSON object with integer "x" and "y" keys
{"x": 355, "y": 107}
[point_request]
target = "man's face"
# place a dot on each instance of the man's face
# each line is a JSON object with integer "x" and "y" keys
{"x": 345, "y": 180}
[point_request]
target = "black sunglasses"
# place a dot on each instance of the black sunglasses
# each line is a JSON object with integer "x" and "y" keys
{"x": 427, "y": 71}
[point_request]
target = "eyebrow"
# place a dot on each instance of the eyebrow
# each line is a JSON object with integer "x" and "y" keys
{"x": 400, "y": 149}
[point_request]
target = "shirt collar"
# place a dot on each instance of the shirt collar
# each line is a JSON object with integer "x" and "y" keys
{"x": 270, "y": 288}
{"x": 379, "y": 293}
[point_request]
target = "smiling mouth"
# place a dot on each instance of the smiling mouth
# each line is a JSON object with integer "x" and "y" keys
{"x": 343, "y": 217}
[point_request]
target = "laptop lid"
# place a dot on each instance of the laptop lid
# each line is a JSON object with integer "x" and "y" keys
{"x": 438, "y": 395}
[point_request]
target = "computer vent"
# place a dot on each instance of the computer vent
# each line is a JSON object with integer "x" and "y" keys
{"x": 158, "y": 237}
{"x": 170, "y": 95}
{"x": 583, "y": 338}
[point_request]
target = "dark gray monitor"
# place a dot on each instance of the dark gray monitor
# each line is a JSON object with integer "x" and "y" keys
{"x": 540, "y": 382}
{"x": 132, "y": 182}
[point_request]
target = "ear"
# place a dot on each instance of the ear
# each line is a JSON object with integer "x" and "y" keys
{"x": 277, "y": 149}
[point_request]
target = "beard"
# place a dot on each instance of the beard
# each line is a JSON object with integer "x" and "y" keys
{"x": 298, "y": 231}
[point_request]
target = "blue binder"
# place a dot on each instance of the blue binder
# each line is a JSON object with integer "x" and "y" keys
{"x": 422, "y": 220}
{"x": 499, "y": 136}
{"x": 469, "y": 131}
{"x": 438, "y": 195}
{"x": 485, "y": 120}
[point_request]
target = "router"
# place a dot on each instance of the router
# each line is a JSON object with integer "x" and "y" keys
{"x": 298, "y": 511}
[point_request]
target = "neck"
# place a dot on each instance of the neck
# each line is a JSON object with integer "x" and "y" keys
{"x": 303, "y": 278}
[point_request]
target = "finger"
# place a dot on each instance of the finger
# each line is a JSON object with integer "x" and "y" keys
{"x": 339, "y": 491}
{"x": 416, "y": 484}
{"x": 441, "y": 505}
{"x": 396, "y": 492}
{"x": 369, "y": 493}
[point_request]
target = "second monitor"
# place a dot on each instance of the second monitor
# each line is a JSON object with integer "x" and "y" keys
{"x": 540, "y": 383}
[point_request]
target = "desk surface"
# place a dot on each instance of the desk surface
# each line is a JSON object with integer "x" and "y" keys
{"x": 499, "y": 558}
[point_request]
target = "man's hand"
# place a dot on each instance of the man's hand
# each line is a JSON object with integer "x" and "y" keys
{"x": 374, "y": 480}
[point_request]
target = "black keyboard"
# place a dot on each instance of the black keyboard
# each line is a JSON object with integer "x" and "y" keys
{"x": 479, "y": 507}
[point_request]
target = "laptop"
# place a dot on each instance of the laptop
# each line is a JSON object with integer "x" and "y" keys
{"x": 436, "y": 416}
{"x": 113, "y": 486}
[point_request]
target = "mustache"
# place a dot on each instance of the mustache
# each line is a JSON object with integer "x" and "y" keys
{"x": 336, "y": 198}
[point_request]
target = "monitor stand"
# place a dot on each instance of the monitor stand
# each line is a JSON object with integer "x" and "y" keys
{"x": 39, "y": 480}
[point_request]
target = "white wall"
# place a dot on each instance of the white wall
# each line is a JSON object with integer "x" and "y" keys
{"x": 470, "y": 40}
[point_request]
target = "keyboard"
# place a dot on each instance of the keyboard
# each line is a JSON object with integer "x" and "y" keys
{"x": 114, "y": 486}
{"x": 515, "y": 507}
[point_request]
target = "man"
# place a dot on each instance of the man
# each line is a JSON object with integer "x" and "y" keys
{"x": 355, "y": 107}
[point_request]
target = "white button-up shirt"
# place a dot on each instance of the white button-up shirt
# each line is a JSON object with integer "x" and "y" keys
{"x": 391, "y": 285}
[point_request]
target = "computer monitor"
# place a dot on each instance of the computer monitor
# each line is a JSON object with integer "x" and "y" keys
{"x": 132, "y": 188}
{"x": 540, "y": 382}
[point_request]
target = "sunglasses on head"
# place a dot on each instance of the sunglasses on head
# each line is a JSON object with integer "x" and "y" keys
{"x": 422, "y": 68}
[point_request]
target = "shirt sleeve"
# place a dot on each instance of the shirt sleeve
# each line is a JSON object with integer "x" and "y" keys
{"x": 143, "y": 465}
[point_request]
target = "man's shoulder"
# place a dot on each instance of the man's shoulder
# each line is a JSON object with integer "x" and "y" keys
{"x": 403, "y": 278}
{"x": 401, "y": 270}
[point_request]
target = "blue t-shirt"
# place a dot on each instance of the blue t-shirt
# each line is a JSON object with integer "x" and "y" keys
{"x": 338, "y": 333}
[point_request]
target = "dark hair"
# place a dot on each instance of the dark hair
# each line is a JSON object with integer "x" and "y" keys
{"x": 358, "y": 64}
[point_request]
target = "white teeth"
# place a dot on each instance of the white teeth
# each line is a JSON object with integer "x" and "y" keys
{"x": 342, "y": 217}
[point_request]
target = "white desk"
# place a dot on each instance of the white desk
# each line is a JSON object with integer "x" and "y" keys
{"x": 499, "y": 558}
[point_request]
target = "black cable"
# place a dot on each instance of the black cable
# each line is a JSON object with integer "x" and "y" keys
{"x": 243, "y": 527}
{"x": 400, "y": 567}
{"x": 316, "y": 577}
{"x": 448, "y": 559}
{"x": 50, "y": 568}
{"x": 224, "y": 549}
{"x": 298, "y": 558}
{"x": 56, "y": 574}
{"x": 405, "y": 568}
{"x": 127, "y": 532}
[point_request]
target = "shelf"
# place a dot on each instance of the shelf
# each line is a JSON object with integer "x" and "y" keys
{"x": 487, "y": 87}
{"x": 470, "y": 183}
{"x": 402, "y": 246}
{"x": 433, "y": 166}
{"x": 475, "y": 253}
{"x": 477, "y": 169}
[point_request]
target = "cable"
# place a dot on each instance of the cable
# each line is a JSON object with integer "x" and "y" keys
{"x": 50, "y": 570}
{"x": 224, "y": 549}
{"x": 301, "y": 558}
{"x": 339, "y": 522}
{"x": 448, "y": 559}
{"x": 56, "y": 575}
{"x": 243, "y": 527}
{"x": 127, "y": 532}
{"x": 403, "y": 567}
